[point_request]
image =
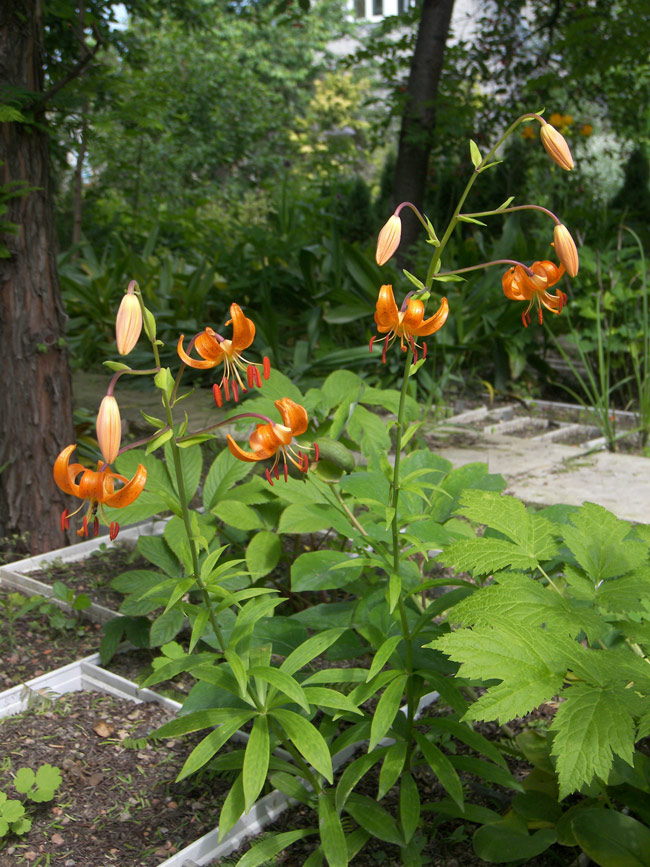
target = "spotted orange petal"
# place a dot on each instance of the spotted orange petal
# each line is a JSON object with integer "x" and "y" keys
{"x": 433, "y": 323}
{"x": 386, "y": 312}
{"x": 130, "y": 492}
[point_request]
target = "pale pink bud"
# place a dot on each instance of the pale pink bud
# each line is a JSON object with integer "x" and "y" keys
{"x": 566, "y": 250}
{"x": 556, "y": 146}
{"x": 109, "y": 428}
{"x": 128, "y": 324}
{"x": 388, "y": 240}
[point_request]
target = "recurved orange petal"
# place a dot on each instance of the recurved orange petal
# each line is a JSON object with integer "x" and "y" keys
{"x": 243, "y": 328}
{"x": 64, "y": 474}
{"x": 433, "y": 323}
{"x": 264, "y": 441}
{"x": 386, "y": 312}
{"x": 130, "y": 492}
{"x": 194, "y": 362}
{"x": 240, "y": 454}
{"x": 293, "y": 415}
{"x": 413, "y": 316}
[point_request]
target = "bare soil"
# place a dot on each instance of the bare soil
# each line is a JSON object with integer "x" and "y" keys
{"x": 117, "y": 804}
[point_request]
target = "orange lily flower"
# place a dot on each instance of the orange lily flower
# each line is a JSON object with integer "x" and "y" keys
{"x": 215, "y": 349}
{"x": 98, "y": 487}
{"x": 408, "y": 323}
{"x": 271, "y": 439}
{"x": 519, "y": 286}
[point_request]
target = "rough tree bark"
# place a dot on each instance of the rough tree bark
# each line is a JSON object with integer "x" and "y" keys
{"x": 35, "y": 393}
{"x": 418, "y": 119}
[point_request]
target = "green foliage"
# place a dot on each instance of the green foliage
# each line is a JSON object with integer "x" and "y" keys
{"x": 556, "y": 625}
{"x": 37, "y": 787}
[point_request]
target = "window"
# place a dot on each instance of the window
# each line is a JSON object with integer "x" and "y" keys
{"x": 360, "y": 8}
{"x": 377, "y": 7}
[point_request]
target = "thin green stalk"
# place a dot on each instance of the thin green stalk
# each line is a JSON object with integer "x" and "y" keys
{"x": 470, "y": 183}
{"x": 394, "y": 502}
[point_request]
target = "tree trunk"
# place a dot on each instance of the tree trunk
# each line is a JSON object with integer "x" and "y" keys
{"x": 418, "y": 119}
{"x": 36, "y": 396}
{"x": 78, "y": 196}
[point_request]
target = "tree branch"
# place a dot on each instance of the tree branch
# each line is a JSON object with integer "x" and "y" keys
{"x": 77, "y": 69}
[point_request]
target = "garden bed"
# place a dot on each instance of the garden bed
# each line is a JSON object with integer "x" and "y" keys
{"x": 116, "y": 804}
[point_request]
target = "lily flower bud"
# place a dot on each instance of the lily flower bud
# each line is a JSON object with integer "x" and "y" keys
{"x": 128, "y": 324}
{"x": 109, "y": 428}
{"x": 566, "y": 250}
{"x": 388, "y": 240}
{"x": 556, "y": 146}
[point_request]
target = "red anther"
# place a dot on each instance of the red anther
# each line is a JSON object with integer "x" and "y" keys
{"x": 114, "y": 529}
{"x": 383, "y": 352}
{"x": 415, "y": 351}
{"x": 268, "y": 476}
{"x": 96, "y": 527}
{"x": 372, "y": 340}
{"x": 563, "y": 301}
{"x": 276, "y": 472}
{"x": 286, "y": 472}
{"x": 403, "y": 348}
{"x": 266, "y": 367}
{"x": 257, "y": 376}
{"x": 226, "y": 388}
{"x": 540, "y": 315}
{"x": 424, "y": 350}
{"x": 525, "y": 318}
{"x": 218, "y": 399}
{"x": 316, "y": 452}
{"x": 65, "y": 523}
{"x": 306, "y": 464}
{"x": 84, "y": 530}
{"x": 250, "y": 377}
{"x": 235, "y": 391}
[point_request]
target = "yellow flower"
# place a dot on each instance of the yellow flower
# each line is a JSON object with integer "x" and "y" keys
{"x": 271, "y": 439}
{"x": 566, "y": 250}
{"x": 388, "y": 240}
{"x": 528, "y": 132}
{"x": 520, "y": 286}
{"x": 409, "y": 323}
{"x": 215, "y": 350}
{"x": 98, "y": 488}
{"x": 109, "y": 428}
{"x": 586, "y": 129}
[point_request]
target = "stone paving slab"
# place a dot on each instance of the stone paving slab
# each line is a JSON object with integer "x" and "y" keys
{"x": 620, "y": 483}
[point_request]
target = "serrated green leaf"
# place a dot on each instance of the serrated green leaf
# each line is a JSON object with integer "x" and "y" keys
{"x": 529, "y": 662}
{"x": 597, "y": 539}
{"x": 24, "y": 780}
{"x": 590, "y": 726}
{"x": 238, "y": 515}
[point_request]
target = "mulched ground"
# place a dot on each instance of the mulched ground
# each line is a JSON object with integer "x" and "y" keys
{"x": 116, "y": 804}
{"x": 37, "y": 645}
{"x": 93, "y": 574}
